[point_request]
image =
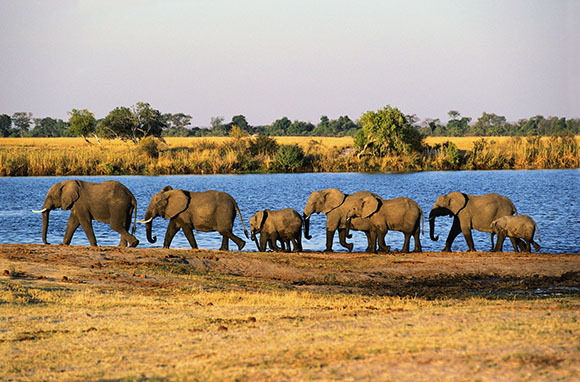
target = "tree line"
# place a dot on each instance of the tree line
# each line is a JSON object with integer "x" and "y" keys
{"x": 140, "y": 120}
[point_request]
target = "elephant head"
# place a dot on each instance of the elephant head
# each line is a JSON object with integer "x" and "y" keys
{"x": 256, "y": 224}
{"x": 321, "y": 201}
{"x": 61, "y": 195}
{"x": 168, "y": 203}
{"x": 446, "y": 205}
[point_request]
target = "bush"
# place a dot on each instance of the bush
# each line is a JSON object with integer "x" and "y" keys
{"x": 263, "y": 145}
{"x": 289, "y": 158}
{"x": 149, "y": 146}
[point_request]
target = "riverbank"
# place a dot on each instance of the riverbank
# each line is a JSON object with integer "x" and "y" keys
{"x": 109, "y": 313}
{"x": 222, "y": 155}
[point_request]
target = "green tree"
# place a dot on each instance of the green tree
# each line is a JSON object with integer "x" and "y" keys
{"x": 82, "y": 123}
{"x": 5, "y": 125}
{"x": 489, "y": 124}
{"x": 387, "y": 131}
{"x": 279, "y": 127}
{"x": 240, "y": 122}
{"x": 22, "y": 121}
{"x": 132, "y": 124}
{"x": 119, "y": 123}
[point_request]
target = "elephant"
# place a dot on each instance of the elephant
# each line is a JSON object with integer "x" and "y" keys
{"x": 205, "y": 211}
{"x": 284, "y": 225}
{"x": 516, "y": 227}
{"x": 399, "y": 214}
{"x": 336, "y": 205}
{"x": 109, "y": 202}
{"x": 469, "y": 212}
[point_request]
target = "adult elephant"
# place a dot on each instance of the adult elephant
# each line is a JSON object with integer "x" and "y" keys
{"x": 399, "y": 214}
{"x": 109, "y": 202}
{"x": 205, "y": 211}
{"x": 469, "y": 212}
{"x": 336, "y": 205}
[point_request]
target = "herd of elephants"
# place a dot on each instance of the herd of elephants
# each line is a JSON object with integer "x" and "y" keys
{"x": 112, "y": 203}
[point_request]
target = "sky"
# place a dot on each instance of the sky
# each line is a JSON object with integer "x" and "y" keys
{"x": 266, "y": 59}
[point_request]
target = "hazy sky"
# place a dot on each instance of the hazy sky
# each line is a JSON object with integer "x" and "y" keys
{"x": 302, "y": 59}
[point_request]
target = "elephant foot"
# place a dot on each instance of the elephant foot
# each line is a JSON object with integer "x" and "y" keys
{"x": 328, "y": 250}
{"x": 241, "y": 245}
{"x": 134, "y": 244}
{"x": 386, "y": 249}
{"x": 349, "y": 247}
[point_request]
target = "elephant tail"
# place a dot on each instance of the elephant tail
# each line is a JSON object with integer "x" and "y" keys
{"x": 134, "y": 202}
{"x": 242, "y": 220}
{"x": 538, "y": 231}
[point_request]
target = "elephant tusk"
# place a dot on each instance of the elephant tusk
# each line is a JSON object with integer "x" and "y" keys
{"x": 145, "y": 221}
{"x": 39, "y": 212}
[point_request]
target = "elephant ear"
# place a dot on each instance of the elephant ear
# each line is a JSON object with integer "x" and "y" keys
{"x": 333, "y": 198}
{"x": 457, "y": 201}
{"x": 176, "y": 202}
{"x": 69, "y": 194}
{"x": 262, "y": 218}
{"x": 370, "y": 205}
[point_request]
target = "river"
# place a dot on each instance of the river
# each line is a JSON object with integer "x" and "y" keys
{"x": 550, "y": 197}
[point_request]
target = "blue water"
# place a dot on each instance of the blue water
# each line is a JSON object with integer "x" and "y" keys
{"x": 551, "y": 197}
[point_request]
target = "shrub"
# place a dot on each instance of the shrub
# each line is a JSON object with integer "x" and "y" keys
{"x": 289, "y": 158}
{"x": 263, "y": 145}
{"x": 149, "y": 146}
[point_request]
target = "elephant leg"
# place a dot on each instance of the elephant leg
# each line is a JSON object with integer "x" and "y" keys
{"x": 417, "y": 238}
{"x": 536, "y": 245}
{"x": 469, "y": 240}
{"x": 87, "y": 225}
{"x": 126, "y": 237}
{"x": 329, "y": 239}
{"x": 298, "y": 242}
{"x": 172, "y": 229}
{"x": 515, "y": 244}
{"x": 371, "y": 241}
{"x": 71, "y": 227}
{"x": 499, "y": 242}
{"x": 491, "y": 235}
{"x": 455, "y": 230}
{"x": 381, "y": 234}
{"x": 407, "y": 242}
{"x": 528, "y": 249}
{"x": 188, "y": 231}
{"x": 225, "y": 241}
{"x": 342, "y": 239}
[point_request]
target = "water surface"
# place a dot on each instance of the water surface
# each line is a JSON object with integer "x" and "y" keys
{"x": 549, "y": 196}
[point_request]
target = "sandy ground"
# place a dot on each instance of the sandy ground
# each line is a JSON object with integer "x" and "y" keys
{"x": 429, "y": 275}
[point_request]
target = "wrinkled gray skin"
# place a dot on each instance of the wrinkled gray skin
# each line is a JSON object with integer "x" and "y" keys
{"x": 336, "y": 205}
{"x": 109, "y": 202}
{"x": 469, "y": 212}
{"x": 284, "y": 225}
{"x": 521, "y": 226}
{"x": 399, "y": 214}
{"x": 205, "y": 211}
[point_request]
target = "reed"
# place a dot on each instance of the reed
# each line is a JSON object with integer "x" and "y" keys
{"x": 222, "y": 155}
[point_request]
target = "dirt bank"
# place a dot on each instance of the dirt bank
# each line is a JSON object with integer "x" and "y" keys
{"x": 429, "y": 275}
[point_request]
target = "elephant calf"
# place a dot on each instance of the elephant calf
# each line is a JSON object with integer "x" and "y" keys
{"x": 109, "y": 202}
{"x": 516, "y": 227}
{"x": 272, "y": 225}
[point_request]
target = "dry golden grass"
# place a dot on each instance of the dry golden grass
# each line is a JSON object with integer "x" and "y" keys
{"x": 138, "y": 314}
{"x": 221, "y": 155}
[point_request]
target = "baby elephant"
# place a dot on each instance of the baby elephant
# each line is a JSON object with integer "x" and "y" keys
{"x": 515, "y": 227}
{"x": 272, "y": 225}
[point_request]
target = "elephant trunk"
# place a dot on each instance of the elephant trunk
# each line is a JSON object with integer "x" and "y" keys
{"x": 307, "y": 226}
{"x": 435, "y": 212}
{"x": 257, "y": 244}
{"x": 45, "y": 219}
